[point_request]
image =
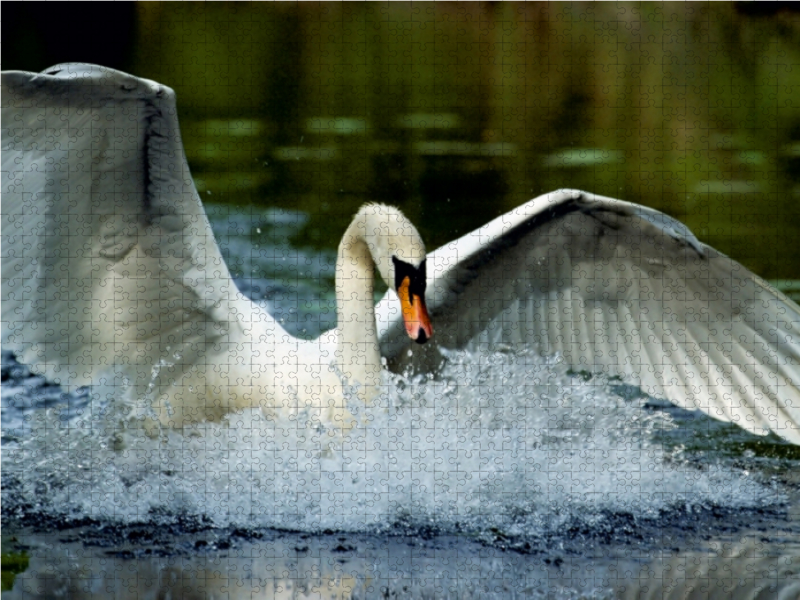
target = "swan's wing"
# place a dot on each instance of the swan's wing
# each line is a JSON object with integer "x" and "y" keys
{"x": 622, "y": 289}
{"x": 109, "y": 264}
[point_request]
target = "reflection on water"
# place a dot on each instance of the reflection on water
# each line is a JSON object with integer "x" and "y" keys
{"x": 459, "y": 112}
{"x": 749, "y": 568}
{"x": 291, "y": 566}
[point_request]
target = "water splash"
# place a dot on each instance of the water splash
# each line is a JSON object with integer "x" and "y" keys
{"x": 500, "y": 442}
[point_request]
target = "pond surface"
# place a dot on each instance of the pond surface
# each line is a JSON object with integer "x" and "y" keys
{"x": 507, "y": 476}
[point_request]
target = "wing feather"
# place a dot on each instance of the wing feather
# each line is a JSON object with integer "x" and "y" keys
{"x": 623, "y": 290}
{"x": 109, "y": 264}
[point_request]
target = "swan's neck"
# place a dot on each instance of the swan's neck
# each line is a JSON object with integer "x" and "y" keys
{"x": 358, "y": 356}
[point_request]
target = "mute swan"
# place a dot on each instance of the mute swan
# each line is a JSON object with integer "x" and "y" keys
{"x": 111, "y": 276}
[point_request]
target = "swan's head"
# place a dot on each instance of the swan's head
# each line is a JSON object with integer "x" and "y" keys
{"x": 409, "y": 283}
{"x": 398, "y": 252}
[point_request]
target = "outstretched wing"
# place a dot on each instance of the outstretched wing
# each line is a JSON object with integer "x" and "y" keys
{"x": 108, "y": 262}
{"x": 623, "y": 290}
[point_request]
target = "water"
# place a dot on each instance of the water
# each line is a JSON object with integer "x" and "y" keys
{"x": 506, "y": 474}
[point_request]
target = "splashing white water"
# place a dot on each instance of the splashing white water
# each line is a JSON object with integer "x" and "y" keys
{"x": 503, "y": 442}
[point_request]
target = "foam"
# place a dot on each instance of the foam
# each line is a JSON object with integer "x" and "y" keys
{"x": 506, "y": 442}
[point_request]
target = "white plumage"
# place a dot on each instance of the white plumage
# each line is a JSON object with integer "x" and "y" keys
{"x": 112, "y": 277}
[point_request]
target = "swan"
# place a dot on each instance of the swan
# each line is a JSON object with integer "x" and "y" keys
{"x": 111, "y": 276}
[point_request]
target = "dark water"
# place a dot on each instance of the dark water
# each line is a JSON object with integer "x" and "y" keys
{"x": 459, "y": 112}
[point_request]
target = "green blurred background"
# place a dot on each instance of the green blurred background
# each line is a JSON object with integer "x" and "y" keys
{"x": 459, "y": 112}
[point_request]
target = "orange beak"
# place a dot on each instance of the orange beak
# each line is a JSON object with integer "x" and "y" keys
{"x": 415, "y": 314}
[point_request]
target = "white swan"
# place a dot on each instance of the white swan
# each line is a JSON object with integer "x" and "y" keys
{"x": 111, "y": 276}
